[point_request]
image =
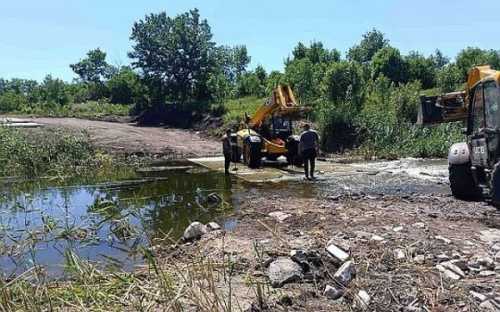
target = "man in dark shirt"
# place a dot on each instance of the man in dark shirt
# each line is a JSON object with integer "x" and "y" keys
{"x": 308, "y": 147}
{"x": 227, "y": 150}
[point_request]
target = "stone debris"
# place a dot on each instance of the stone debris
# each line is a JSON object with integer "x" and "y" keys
{"x": 489, "y": 305}
{"x": 443, "y": 239}
{"x": 363, "y": 299}
{"x": 333, "y": 293}
{"x": 213, "y": 226}
{"x": 490, "y": 236}
{"x": 454, "y": 268}
{"x": 279, "y": 216}
{"x": 345, "y": 274}
{"x": 337, "y": 253}
{"x": 419, "y": 225}
{"x": 398, "y": 229}
{"x": 377, "y": 238}
{"x": 479, "y": 297}
{"x": 283, "y": 270}
{"x": 399, "y": 254}
{"x": 194, "y": 231}
{"x": 419, "y": 259}
{"x": 448, "y": 273}
{"x": 487, "y": 273}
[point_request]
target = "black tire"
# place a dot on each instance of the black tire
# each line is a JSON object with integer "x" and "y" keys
{"x": 495, "y": 186}
{"x": 252, "y": 156}
{"x": 462, "y": 183}
{"x": 272, "y": 157}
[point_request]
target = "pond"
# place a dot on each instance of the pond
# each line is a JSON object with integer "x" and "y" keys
{"x": 105, "y": 220}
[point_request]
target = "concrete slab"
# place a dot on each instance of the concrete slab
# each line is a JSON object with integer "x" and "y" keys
{"x": 277, "y": 174}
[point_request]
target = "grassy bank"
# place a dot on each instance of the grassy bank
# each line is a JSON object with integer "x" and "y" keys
{"x": 45, "y": 151}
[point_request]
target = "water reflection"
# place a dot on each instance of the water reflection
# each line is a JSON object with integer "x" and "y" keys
{"x": 104, "y": 222}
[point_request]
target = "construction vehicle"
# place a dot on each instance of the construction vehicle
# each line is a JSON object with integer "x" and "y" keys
{"x": 474, "y": 165}
{"x": 269, "y": 132}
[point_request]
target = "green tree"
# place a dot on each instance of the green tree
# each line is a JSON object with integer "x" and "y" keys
{"x": 53, "y": 91}
{"x": 11, "y": 101}
{"x": 389, "y": 62}
{"x": 300, "y": 75}
{"x": 470, "y": 57}
{"x": 421, "y": 69}
{"x": 439, "y": 59}
{"x": 449, "y": 78}
{"x": 343, "y": 83}
{"x": 371, "y": 43}
{"x": 124, "y": 87}
{"x": 93, "y": 68}
{"x": 175, "y": 55}
{"x": 316, "y": 53}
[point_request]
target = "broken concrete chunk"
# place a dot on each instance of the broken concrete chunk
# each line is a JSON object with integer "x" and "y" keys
{"x": 213, "y": 226}
{"x": 454, "y": 268}
{"x": 487, "y": 273}
{"x": 194, "y": 231}
{"x": 443, "y": 239}
{"x": 448, "y": 273}
{"x": 398, "y": 229}
{"x": 419, "y": 259}
{"x": 283, "y": 270}
{"x": 333, "y": 292}
{"x": 279, "y": 216}
{"x": 337, "y": 253}
{"x": 479, "y": 297}
{"x": 419, "y": 225}
{"x": 345, "y": 273}
{"x": 486, "y": 262}
{"x": 377, "y": 238}
{"x": 363, "y": 299}
{"x": 399, "y": 254}
{"x": 489, "y": 305}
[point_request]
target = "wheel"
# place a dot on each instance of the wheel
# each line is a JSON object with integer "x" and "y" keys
{"x": 495, "y": 186}
{"x": 462, "y": 183}
{"x": 251, "y": 154}
{"x": 272, "y": 157}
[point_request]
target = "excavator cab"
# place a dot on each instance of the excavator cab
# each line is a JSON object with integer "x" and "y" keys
{"x": 474, "y": 165}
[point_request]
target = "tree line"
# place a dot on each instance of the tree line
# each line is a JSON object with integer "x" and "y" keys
{"x": 177, "y": 67}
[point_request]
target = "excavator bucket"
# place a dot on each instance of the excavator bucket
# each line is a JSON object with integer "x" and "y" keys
{"x": 444, "y": 108}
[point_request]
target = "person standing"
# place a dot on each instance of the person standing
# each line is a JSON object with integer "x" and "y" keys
{"x": 308, "y": 147}
{"x": 227, "y": 150}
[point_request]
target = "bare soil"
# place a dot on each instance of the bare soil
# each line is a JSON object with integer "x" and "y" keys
{"x": 128, "y": 138}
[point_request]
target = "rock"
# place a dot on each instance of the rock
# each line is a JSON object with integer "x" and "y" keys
{"x": 419, "y": 259}
{"x": 495, "y": 247}
{"x": 442, "y": 258}
{"x": 337, "y": 253}
{"x": 213, "y": 226}
{"x": 419, "y": 225}
{"x": 448, "y": 273}
{"x": 279, "y": 216}
{"x": 497, "y": 256}
{"x": 283, "y": 270}
{"x": 486, "y": 262}
{"x": 345, "y": 273}
{"x": 363, "y": 299}
{"x": 479, "y": 297}
{"x": 194, "y": 231}
{"x": 490, "y": 235}
{"x": 461, "y": 264}
{"x": 443, "y": 239}
{"x": 487, "y": 273}
{"x": 377, "y": 238}
{"x": 333, "y": 292}
{"x": 488, "y": 306}
{"x": 398, "y": 229}
{"x": 452, "y": 267}
{"x": 399, "y": 254}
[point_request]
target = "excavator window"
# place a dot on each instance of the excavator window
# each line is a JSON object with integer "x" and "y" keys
{"x": 478, "y": 109}
{"x": 492, "y": 104}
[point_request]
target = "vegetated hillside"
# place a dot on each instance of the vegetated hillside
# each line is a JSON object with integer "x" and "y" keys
{"x": 364, "y": 99}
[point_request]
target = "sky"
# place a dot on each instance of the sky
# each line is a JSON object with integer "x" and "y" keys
{"x": 43, "y": 37}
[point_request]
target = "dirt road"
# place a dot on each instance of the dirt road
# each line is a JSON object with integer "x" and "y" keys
{"x": 128, "y": 138}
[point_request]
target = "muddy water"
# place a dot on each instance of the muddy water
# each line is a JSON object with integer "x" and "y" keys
{"x": 105, "y": 221}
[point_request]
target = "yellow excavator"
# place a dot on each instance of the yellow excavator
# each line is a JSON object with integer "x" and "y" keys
{"x": 474, "y": 165}
{"x": 269, "y": 132}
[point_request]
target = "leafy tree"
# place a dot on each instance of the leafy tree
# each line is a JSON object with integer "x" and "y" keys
{"x": 389, "y": 62}
{"x": 93, "y": 68}
{"x": 273, "y": 80}
{"x": 53, "y": 91}
{"x": 11, "y": 101}
{"x": 470, "y": 57}
{"x": 124, "y": 87}
{"x": 250, "y": 84}
{"x": 175, "y": 55}
{"x": 342, "y": 83}
{"x": 261, "y": 74}
{"x": 316, "y": 53}
{"x": 240, "y": 59}
{"x": 449, "y": 78}
{"x": 300, "y": 75}
{"x": 439, "y": 59}
{"x": 371, "y": 43}
{"x": 421, "y": 69}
